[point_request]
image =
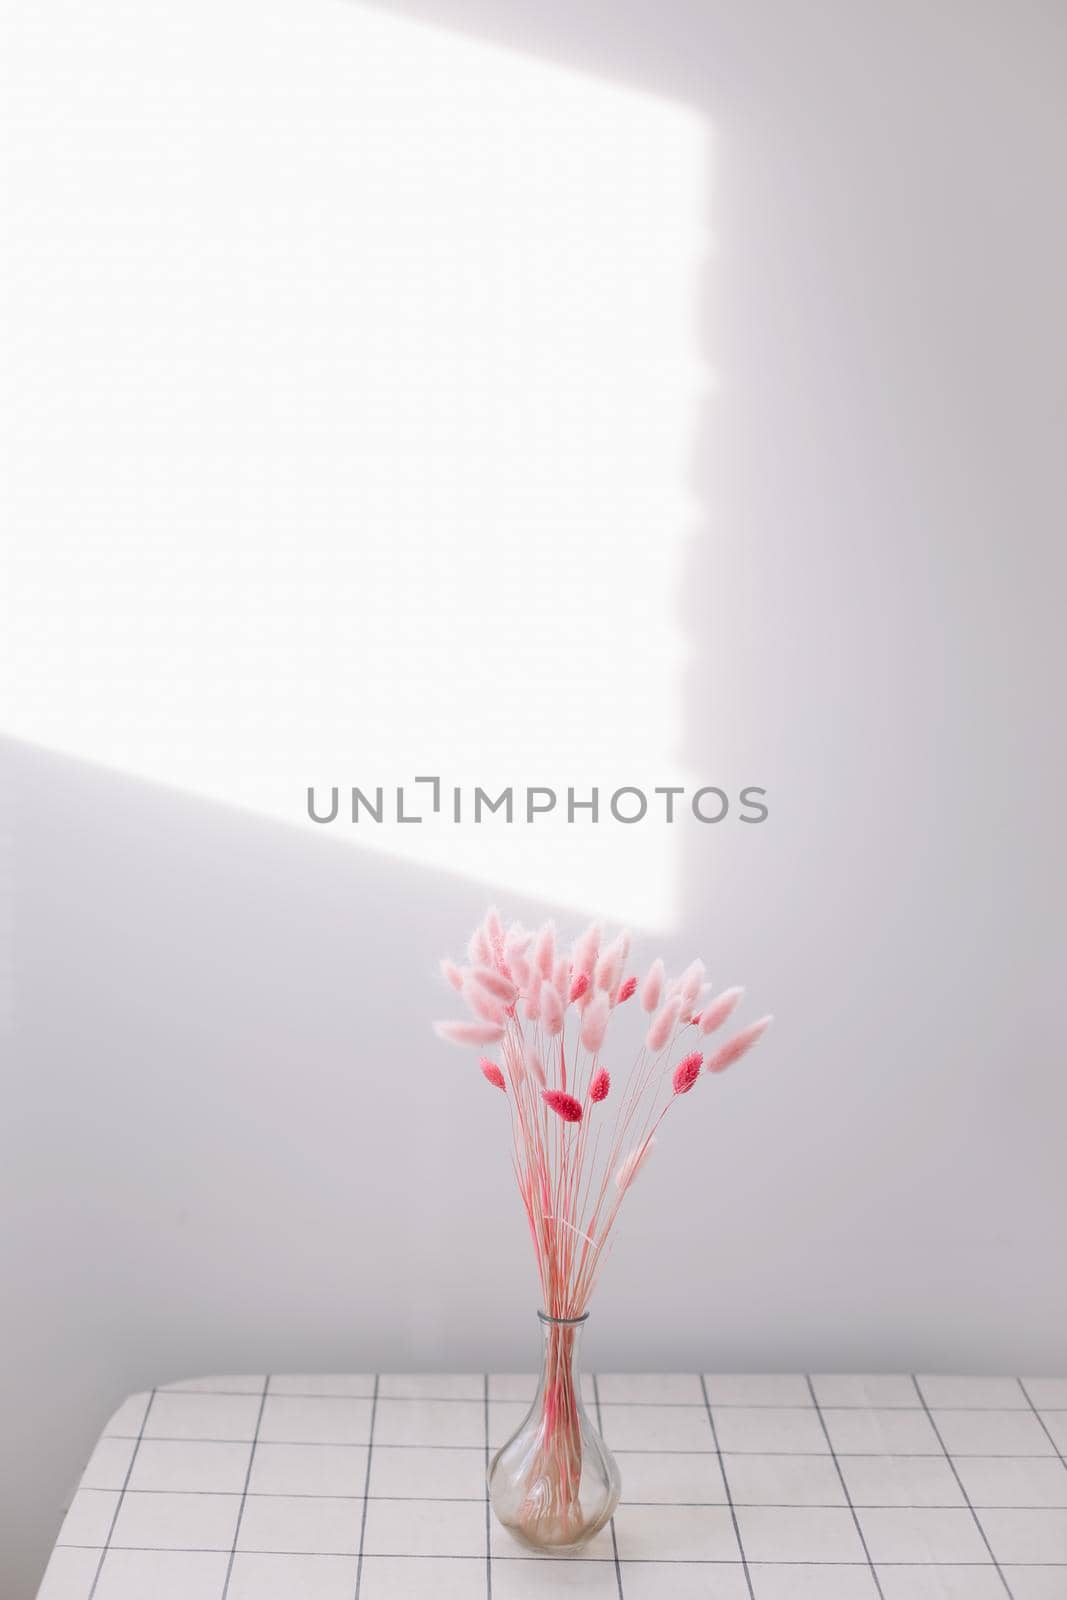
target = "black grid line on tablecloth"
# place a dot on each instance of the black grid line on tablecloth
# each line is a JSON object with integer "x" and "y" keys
{"x": 244, "y": 1490}
{"x": 360, "y": 1421}
{"x": 618, "y": 1450}
{"x": 586, "y": 1560}
{"x": 243, "y": 1493}
{"x": 1044, "y": 1425}
{"x": 614, "y": 1536}
{"x": 122, "y": 1495}
{"x": 608, "y": 1405}
{"x": 366, "y": 1488}
{"x": 963, "y": 1491}
{"x": 728, "y": 1490}
{"x": 844, "y": 1485}
{"x": 477, "y": 1499}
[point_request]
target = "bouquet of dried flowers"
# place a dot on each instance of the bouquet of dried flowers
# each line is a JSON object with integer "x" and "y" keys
{"x": 581, "y": 1129}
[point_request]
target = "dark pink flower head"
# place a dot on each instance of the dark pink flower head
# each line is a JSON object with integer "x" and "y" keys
{"x": 627, "y": 990}
{"x": 579, "y": 986}
{"x": 492, "y": 1073}
{"x": 564, "y": 1105}
{"x": 598, "y": 1089}
{"x": 687, "y": 1072}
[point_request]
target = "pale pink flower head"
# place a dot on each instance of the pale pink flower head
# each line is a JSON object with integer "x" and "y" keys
{"x": 494, "y": 929}
{"x": 663, "y": 1025}
{"x": 479, "y": 950}
{"x": 495, "y": 983}
{"x": 533, "y": 997}
{"x": 714, "y": 1015}
{"x": 633, "y": 1164}
{"x": 492, "y": 1073}
{"x": 738, "y": 1045}
{"x": 551, "y": 1009}
{"x": 609, "y": 967}
{"x": 585, "y": 949}
{"x": 687, "y": 1072}
{"x": 564, "y": 1105}
{"x": 561, "y": 975}
{"x": 689, "y": 984}
{"x": 535, "y": 1066}
{"x": 516, "y": 946}
{"x": 476, "y": 1033}
{"x": 652, "y": 988}
{"x": 452, "y": 974}
{"x": 601, "y": 1083}
{"x": 482, "y": 1003}
{"x": 579, "y": 986}
{"x": 545, "y": 950}
{"x": 595, "y": 1023}
{"x": 626, "y": 991}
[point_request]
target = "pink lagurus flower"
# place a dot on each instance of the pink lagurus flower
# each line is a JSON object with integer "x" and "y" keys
{"x": 715, "y": 1014}
{"x": 633, "y": 1164}
{"x": 738, "y": 1045}
{"x": 579, "y": 986}
{"x": 482, "y": 1003}
{"x": 476, "y": 1033}
{"x": 492, "y": 1073}
{"x": 551, "y": 1009}
{"x": 585, "y": 949}
{"x": 494, "y": 929}
{"x": 564, "y": 1105}
{"x": 595, "y": 1023}
{"x": 652, "y": 988}
{"x": 609, "y": 967}
{"x": 452, "y": 974}
{"x": 534, "y": 1065}
{"x": 516, "y": 946}
{"x": 689, "y": 984}
{"x": 626, "y": 991}
{"x": 479, "y": 950}
{"x": 687, "y": 1072}
{"x": 533, "y": 997}
{"x": 495, "y": 983}
{"x": 545, "y": 950}
{"x": 598, "y": 1088}
{"x": 663, "y": 1025}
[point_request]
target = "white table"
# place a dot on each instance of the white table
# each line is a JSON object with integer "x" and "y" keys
{"x": 734, "y": 1488}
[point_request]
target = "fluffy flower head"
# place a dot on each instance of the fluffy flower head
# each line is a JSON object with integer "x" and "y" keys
{"x": 595, "y": 1023}
{"x": 738, "y": 1045}
{"x": 652, "y": 988}
{"x": 714, "y": 1015}
{"x": 632, "y": 1165}
{"x": 663, "y": 1025}
{"x": 475, "y": 1033}
{"x": 564, "y": 1105}
{"x": 492, "y": 1073}
{"x": 687, "y": 1072}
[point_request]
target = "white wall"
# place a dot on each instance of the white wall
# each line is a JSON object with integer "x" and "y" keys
{"x": 230, "y": 1141}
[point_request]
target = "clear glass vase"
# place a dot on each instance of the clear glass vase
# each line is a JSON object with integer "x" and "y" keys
{"x": 555, "y": 1483}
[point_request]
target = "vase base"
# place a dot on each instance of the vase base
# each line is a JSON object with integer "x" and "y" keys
{"x": 553, "y": 1539}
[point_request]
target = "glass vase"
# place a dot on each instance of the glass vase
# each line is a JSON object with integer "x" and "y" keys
{"x": 555, "y": 1483}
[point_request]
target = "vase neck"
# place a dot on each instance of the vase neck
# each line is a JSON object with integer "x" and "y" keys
{"x": 562, "y": 1338}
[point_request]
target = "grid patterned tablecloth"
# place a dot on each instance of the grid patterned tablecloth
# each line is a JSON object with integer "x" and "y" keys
{"x": 734, "y": 1488}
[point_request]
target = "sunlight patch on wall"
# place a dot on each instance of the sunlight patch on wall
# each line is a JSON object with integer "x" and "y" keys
{"x": 351, "y": 371}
